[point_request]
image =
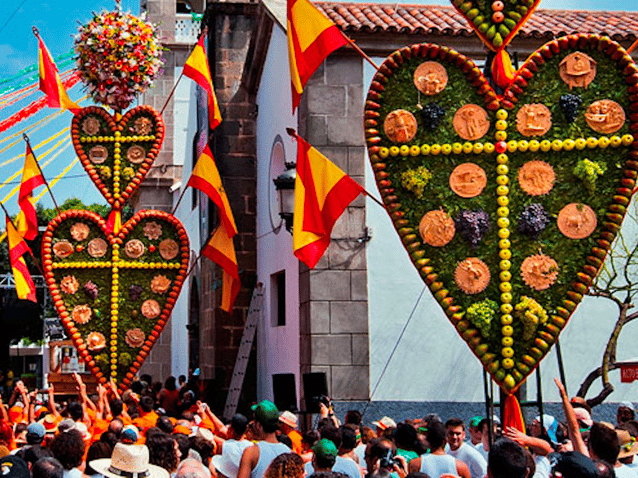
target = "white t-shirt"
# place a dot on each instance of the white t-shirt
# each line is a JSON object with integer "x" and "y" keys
{"x": 543, "y": 467}
{"x": 471, "y": 457}
{"x": 342, "y": 465}
{"x": 623, "y": 471}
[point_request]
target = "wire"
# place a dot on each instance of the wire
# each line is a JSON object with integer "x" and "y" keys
{"x": 17, "y": 188}
{"x": 15, "y": 158}
{"x": 396, "y": 345}
{"x": 12, "y": 15}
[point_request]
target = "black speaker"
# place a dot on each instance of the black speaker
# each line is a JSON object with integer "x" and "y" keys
{"x": 315, "y": 385}
{"x": 285, "y": 391}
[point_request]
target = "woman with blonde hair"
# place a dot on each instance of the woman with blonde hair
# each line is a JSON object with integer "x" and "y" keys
{"x": 286, "y": 465}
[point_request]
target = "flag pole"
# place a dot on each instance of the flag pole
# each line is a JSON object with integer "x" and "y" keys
{"x": 26, "y": 138}
{"x": 35, "y": 261}
{"x": 360, "y": 51}
{"x": 293, "y": 134}
{"x": 632, "y": 47}
{"x": 204, "y": 32}
{"x": 180, "y": 199}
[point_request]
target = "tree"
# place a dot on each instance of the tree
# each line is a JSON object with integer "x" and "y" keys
{"x": 617, "y": 282}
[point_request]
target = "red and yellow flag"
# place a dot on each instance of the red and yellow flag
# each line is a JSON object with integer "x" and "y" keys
{"x": 50, "y": 82}
{"x": 31, "y": 179}
{"x": 17, "y": 248}
{"x": 311, "y": 38}
{"x": 220, "y": 250}
{"x": 206, "y": 178}
{"x": 322, "y": 193}
{"x": 197, "y": 69}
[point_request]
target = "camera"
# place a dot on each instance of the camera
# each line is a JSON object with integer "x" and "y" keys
{"x": 389, "y": 460}
{"x": 321, "y": 399}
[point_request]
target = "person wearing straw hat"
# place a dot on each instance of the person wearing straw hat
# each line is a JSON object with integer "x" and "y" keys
{"x": 288, "y": 426}
{"x": 255, "y": 459}
{"x": 128, "y": 461}
{"x": 628, "y": 449}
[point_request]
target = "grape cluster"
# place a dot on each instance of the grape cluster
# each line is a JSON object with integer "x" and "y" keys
{"x": 91, "y": 290}
{"x": 472, "y": 225}
{"x": 533, "y": 220}
{"x": 531, "y": 315}
{"x": 481, "y": 315}
{"x": 432, "y": 114}
{"x": 588, "y": 171}
{"x": 570, "y": 104}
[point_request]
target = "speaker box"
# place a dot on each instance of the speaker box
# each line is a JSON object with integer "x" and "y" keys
{"x": 315, "y": 385}
{"x": 285, "y": 391}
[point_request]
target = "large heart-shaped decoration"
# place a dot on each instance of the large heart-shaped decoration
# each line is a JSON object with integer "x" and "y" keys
{"x": 507, "y": 206}
{"x": 114, "y": 293}
{"x": 496, "y": 22}
{"x": 117, "y": 154}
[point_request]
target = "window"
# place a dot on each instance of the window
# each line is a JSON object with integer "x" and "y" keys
{"x": 278, "y": 298}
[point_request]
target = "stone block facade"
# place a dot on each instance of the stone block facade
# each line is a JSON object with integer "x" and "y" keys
{"x": 333, "y": 296}
{"x": 233, "y": 144}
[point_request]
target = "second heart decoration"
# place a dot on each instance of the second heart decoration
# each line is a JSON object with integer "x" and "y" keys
{"x": 114, "y": 285}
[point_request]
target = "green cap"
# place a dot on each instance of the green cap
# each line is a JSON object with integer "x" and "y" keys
{"x": 266, "y": 412}
{"x": 475, "y": 421}
{"x": 325, "y": 448}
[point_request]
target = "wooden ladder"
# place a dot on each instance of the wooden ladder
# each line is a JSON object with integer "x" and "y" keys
{"x": 241, "y": 363}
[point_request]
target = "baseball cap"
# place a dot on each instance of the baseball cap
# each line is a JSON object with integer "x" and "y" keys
{"x": 573, "y": 464}
{"x": 584, "y": 417}
{"x": 474, "y": 422}
{"x": 266, "y": 412}
{"x": 13, "y": 467}
{"x": 35, "y": 432}
{"x": 325, "y": 448}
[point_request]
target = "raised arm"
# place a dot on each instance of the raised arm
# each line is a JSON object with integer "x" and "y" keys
{"x": 572, "y": 421}
{"x": 52, "y": 406}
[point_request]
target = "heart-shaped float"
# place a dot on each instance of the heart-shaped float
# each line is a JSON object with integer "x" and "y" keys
{"x": 117, "y": 154}
{"x": 496, "y": 22}
{"x": 114, "y": 293}
{"x": 507, "y": 206}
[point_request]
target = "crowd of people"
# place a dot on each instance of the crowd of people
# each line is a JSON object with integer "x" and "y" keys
{"x": 153, "y": 431}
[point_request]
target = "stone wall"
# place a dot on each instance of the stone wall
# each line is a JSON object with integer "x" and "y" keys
{"x": 233, "y": 144}
{"x": 333, "y": 296}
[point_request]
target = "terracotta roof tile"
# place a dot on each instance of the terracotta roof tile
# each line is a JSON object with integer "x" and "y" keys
{"x": 435, "y": 19}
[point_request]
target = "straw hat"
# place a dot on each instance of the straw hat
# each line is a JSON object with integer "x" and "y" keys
{"x": 628, "y": 444}
{"x": 130, "y": 461}
{"x": 384, "y": 423}
{"x": 288, "y": 418}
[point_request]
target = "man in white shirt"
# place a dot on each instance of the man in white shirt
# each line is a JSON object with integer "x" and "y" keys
{"x": 460, "y": 450}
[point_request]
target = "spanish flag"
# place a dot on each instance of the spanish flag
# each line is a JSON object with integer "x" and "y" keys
{"x": 220, "y": 250}
{"x": 322, "y": 193}
{"x": 311, "y": 38}
{"x": 197, "y": 69}
{"x": 17, "y": 247}
{"x": 206, "y": 178}
{"x": 31, "y": 179}
{"x": 50, "y": 82}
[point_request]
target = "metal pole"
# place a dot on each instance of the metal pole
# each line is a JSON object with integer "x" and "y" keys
{"x": 561, "y": 368}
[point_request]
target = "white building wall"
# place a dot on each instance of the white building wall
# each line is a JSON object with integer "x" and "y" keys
{"x": 447, "y": 370}
{"x": 277, "y": 347}
{"x": 185, "y": 126}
